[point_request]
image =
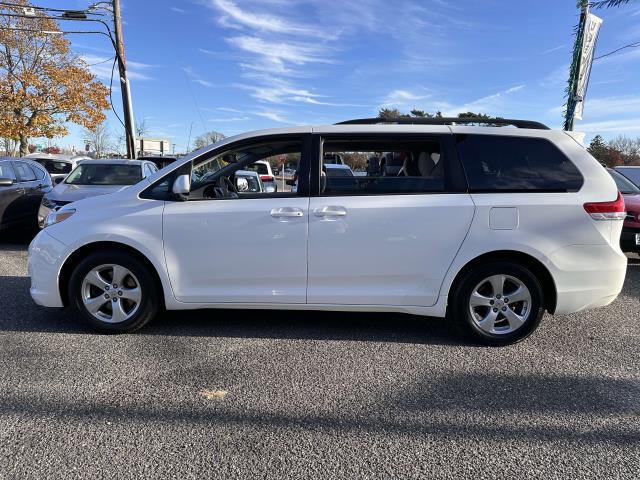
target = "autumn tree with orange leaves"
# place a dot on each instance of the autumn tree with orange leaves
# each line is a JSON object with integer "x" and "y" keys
{"x": 43, "y": 85}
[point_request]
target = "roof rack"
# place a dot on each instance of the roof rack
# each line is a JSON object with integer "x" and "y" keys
{"x": 447, "y": 121}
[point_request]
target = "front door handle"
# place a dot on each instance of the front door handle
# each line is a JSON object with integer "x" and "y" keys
{"x": 330, "y": 211}
{"x": 287, "y": 212}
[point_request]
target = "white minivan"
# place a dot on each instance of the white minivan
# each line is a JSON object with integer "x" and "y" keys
{"x": 490, "y": 226}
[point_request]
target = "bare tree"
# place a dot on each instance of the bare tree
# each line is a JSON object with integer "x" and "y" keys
{"x": 9, "y": 145}
{"x": 207, "y": 139}
{"x": 99, "y": 139}
{"x": 629, "y": 149}
{"x": 141, "y": 127}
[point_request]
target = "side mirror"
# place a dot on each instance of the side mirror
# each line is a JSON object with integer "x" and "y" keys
{"x": 291, "y": 182}
{"x": 6, "y": 182}
{"x": 182, "y": 185}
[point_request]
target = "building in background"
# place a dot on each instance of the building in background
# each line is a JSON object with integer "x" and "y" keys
{"x": 153, "y": 146}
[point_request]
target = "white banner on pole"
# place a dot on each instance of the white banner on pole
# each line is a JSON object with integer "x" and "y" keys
{"x": 589, "y": 39}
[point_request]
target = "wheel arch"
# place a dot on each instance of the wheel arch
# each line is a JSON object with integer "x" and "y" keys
{"x": 535, "y": 265}
{"x": 77, "y": 255}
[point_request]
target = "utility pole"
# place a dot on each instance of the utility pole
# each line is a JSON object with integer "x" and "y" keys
{"x": 572, "y": 90}
{"x": 129, "y": 122}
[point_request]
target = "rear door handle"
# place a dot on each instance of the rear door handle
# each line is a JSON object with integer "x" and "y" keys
{"x": 330, "y": 211}
{"x": 287, "y": 212}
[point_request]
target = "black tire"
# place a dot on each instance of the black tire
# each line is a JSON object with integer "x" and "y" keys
{"x": 460, "y": 303}
{"x": 149, "y": 300}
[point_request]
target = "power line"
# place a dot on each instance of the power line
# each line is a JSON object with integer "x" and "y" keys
{"x": 630, "y": 45}
{"x": 101, "y": 62}
{"x": 43, "y": 9}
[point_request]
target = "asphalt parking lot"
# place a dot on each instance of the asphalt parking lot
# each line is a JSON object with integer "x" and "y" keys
{"x": 239, "y": 394}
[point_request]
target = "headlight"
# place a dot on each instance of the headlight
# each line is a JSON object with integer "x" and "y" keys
{"x": 47, "y": 202}
{"x": 57, "y": 217}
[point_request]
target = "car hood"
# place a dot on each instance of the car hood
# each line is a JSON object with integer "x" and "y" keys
{"x": 71, "y": 193}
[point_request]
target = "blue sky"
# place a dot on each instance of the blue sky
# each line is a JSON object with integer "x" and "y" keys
{"x": 238, "y": 65}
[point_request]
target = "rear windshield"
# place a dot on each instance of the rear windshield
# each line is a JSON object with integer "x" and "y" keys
{"x": 631, "y": 173}
{"x": 53, "y": 166}
{"x": 103, "y": 174}
{"x": 260, "y": 168}
{"x": 623, "y": 183}
{"x": 501, "y": 163}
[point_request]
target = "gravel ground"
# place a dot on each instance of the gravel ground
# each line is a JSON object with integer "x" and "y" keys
{"x": 243, "y": 394}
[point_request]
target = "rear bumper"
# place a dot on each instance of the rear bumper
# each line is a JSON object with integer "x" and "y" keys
{"x": 628, "y": 240}
{"x": 46, "y": 255}
{"x": 587, "y": 276}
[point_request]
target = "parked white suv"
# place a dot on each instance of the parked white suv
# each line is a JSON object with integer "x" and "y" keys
{"x": 490, "y": 225}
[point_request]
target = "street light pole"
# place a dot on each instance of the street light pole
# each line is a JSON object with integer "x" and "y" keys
{"x": 129, "y": 122}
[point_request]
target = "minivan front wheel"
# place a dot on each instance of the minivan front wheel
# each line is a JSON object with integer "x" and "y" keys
{"x": 498, "y": 303}
{"x": 113, "y": 291}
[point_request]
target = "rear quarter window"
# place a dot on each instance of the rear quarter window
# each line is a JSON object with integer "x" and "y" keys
{"x": 502, "y": 163}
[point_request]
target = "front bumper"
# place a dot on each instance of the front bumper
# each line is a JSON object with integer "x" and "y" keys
{"x": 628, "y": 241}
{"x": 46, "y": 256}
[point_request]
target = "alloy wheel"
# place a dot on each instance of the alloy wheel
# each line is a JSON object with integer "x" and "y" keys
{"x": 111, "y": 293}
{"x": 500, "y": 304}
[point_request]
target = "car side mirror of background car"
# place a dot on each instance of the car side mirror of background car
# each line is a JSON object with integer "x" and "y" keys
{"x": 291, "y": 182}
{"x": 181, "y": 185}
{"x": 6, "y": 182}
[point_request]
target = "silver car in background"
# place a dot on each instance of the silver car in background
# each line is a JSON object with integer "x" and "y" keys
{"x": 91, "y": 178}
{"x": 58, "y": 166}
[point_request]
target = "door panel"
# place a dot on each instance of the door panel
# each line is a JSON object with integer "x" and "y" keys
{"x": 237, "y": 250}
{"x": 384, "y": 250}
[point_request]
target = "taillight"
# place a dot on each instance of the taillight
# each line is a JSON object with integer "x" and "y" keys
{"x": 266, "y": 178}
{"x": 607, "y": 210}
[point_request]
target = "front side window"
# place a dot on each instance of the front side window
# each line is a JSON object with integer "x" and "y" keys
{"x": 378, "y": 167}
{"x": 104, "y": 174}
{"x": 240, "y": 172}
{"x": 501, "y": 163}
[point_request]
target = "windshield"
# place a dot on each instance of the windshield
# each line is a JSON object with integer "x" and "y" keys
{"x": 623, "y": 183}
{"x": 54, "y": 166}
{"x": 104, "y": 174}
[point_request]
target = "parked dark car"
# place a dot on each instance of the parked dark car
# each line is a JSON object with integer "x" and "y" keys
{"x": 22, "y": 185}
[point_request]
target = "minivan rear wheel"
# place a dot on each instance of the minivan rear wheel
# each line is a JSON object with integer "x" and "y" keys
{"x": 113, "y": 291}
{"x": 498, "y": 303}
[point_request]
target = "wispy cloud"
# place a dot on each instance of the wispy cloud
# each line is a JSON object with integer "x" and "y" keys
{"x": 276, "y": 117}
{"x": 194, "y": 77}
{"x": 629, "y": 125}
{"x": 264, "y": 22}
{"x": 274, "y": 56}
{"x": 494, "y": 104}
{"x": 178, "y": 10}
{"x": 399, "y": 98}
{"x": 554, "y": 49}
{"x": 229, "y": 119}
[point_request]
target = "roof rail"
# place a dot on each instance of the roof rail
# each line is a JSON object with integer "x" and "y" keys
{"x": 447, "y": 121}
